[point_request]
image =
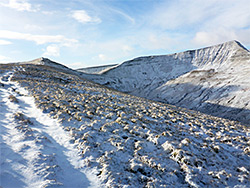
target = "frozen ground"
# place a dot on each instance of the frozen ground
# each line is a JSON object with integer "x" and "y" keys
{"x": 35, "y": 150}
{"x": 126, "y": 140}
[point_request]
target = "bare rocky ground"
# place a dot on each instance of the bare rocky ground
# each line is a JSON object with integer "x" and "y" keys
{"x": 134, "y": 142}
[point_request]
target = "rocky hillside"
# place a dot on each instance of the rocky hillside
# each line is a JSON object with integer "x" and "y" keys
{"x": 214, "y": 80}
{"x": 128, "y": 140}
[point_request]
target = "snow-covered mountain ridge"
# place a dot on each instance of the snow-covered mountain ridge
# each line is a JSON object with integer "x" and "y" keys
{"x": 214, "y": 80}
{"x": 44, "y": 61}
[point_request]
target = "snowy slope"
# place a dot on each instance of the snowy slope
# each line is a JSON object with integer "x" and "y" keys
{"x": 71, "y": 127}
{"x": 223, "y": 91}
{"x": 35, "y": 150}
{"x": 181, "y": 79}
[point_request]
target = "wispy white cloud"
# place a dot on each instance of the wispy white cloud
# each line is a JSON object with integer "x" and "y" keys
{"x": 123, "y": 14}
{"x": 180, "y": 13}
{"x": 127, "y": 48}
{"x": 105, "y": 52}
{"x": 102, "y": 57}
{"x": 38, "y": 39}
{"x": 52, "y": 50}
{"x": 231, "y": 22}
{"x": 33, "y": 27}
{"x": 221, "y": 35}
{"x": 213, "y": 37}
{"x": 83, "y": 17}
{"x": 229, "y": 14}
{"x": 4, "y": 42}
{"x": 21, "y": 5}
{"x": 206, "y": 22}
{"x": 152, "y": 40}
{"x": 115, "y": 50}
{"x": 4, "y": 59}
{"x": 156, "y": 41}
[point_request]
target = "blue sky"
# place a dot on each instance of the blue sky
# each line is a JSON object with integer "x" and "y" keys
{"x": 82, "y": 33}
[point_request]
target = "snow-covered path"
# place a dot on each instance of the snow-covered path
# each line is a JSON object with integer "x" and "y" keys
{"x": 35, "y": 150}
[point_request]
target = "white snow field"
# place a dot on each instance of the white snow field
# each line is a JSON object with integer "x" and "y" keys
{"x": 214, "y": 80}
{"x": 35, "y": 150}
{"x": 123, "y": 140}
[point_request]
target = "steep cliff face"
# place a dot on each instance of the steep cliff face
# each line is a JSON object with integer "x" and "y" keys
{"x": 215, "y": 80}
{"x": 221, "y": 89}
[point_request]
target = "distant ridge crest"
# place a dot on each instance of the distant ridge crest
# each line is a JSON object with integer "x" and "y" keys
{"x": 45, "y": 61}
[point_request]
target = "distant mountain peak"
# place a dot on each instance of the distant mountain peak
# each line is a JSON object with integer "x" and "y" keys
{"x": 231, "y": 44}
{"x": 44, "y": 61}
{"x": 239, "y": 44}
{"x": 41, "y": 61}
